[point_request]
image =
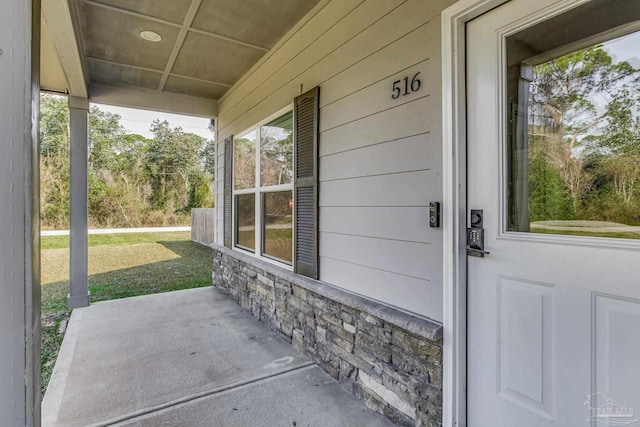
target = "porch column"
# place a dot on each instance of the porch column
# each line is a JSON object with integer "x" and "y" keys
{"x": 19, "y": 213}
{"x": 79, "y": 221}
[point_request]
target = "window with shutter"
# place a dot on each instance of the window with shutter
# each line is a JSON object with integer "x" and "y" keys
{"x": 274, "y": 177}
{"x": 306, "y": 114}
{"x": 262, "y": 190}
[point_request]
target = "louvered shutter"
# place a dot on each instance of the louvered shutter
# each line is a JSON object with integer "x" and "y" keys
{"x": 306, "y": 112}
{"x": 228, "y": 187}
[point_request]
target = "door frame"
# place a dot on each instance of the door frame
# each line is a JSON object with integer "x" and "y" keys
{"x": 454, "y": 206}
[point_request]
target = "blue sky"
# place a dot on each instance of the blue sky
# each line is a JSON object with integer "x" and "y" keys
{"x": 626, "y": 48}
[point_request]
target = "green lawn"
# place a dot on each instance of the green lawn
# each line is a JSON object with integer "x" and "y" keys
{"x": 120, "y": 266}
{"x": 59, "y": 242}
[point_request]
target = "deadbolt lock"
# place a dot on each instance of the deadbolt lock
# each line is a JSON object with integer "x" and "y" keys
{"x": 475, "y": 235}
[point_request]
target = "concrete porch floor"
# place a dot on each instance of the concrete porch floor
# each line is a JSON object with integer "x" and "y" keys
{"x": 188, "y": 358}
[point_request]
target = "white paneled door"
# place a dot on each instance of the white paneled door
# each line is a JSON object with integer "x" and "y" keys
{"x": 554, "y": 307}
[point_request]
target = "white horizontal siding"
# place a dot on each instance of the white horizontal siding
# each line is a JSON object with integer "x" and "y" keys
{"x": 368, "y": 101}
{"x": 378, "y": 66}
{"x": 393, "y": 256}
{"x": 381, "y": 158}
{"x": 407, "y": 293}
{"x": 411, "y": 153}
{"x": 395, "y": 223}
{"x": 395, "y": 123}
{"x": 401, "y": 189}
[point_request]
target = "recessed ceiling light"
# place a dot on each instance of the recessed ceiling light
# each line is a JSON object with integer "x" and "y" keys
{"x": 151, "y": 36}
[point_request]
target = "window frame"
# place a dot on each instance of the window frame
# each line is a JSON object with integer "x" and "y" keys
{"x": 259, "y": 191}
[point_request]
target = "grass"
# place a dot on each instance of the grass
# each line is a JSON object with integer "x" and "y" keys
{"x": 62, "y": 242}
{"x": 120, "y": 266}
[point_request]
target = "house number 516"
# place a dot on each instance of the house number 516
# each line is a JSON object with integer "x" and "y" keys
{"x": 405, "y": 86}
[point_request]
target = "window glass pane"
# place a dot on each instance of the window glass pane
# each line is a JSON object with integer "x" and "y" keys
{"x": 244, "y": 161}
{"x": 278, "y": 225}
{"x": 246, "y": 221}
{"x": 276, "y": 151}
{"x": 574, "y": 155}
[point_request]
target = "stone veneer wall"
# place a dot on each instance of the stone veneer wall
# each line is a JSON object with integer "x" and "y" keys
{"x": 390, "y": 359}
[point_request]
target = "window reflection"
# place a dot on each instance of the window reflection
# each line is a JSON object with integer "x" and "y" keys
{"x": 246, "y": 221}
{"x": 575, "y": 142}
{"x": 278, "y": 225}
{"x": 244, "y": 161}
{"x": 276, "y": 151}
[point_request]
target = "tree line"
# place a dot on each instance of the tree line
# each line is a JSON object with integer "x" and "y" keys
{"x": 133, "y": 181}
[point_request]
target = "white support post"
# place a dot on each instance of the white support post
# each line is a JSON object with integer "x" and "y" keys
{"x": 79, "y": 223}
{"x": 19, "y": 213}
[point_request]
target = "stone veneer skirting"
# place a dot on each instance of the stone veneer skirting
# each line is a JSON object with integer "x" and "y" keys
{"x": 390, "y": 359}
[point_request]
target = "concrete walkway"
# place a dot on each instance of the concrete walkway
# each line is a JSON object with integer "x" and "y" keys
{"x": 188, "y": 358}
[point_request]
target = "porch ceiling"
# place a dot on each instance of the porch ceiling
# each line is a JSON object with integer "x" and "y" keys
{"x": 206, "y": 46}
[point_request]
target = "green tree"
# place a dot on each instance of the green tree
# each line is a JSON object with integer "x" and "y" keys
{"x": 173, "y": 158}
{"x": 54, "y": 161}
{"x": 133, "y": 181}
{"x": 106, "y": 137}
{"x": 617, "y": 146}
{"x": 548, "y": 194}
{"x": 582, "y": 111}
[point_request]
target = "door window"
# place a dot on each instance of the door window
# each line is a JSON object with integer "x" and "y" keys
{"x": 573, "y": 156}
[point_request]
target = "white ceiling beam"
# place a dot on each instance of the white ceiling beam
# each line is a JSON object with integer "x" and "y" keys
{"x": 149, "y": 99}
{"x": 188, "y": 20}
{"x": 229, "y": 39}
{"x": 60, "y": 18}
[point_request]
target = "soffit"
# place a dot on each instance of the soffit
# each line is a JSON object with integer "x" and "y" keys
{"x": 260, "y": 22}
{"x": 206, "y": 46}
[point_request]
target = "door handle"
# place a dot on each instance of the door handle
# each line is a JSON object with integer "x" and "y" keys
{"x": 477, "y": 252}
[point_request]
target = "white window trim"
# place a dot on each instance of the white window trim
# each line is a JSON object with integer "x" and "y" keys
{"x": 258, "y": 191}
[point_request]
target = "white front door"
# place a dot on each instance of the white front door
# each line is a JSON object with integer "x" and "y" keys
{"x": 553, "y": 155}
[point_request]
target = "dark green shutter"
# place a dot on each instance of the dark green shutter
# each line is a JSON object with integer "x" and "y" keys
{"x": 306, "y": 115}
{"x": 228, "y": 188}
